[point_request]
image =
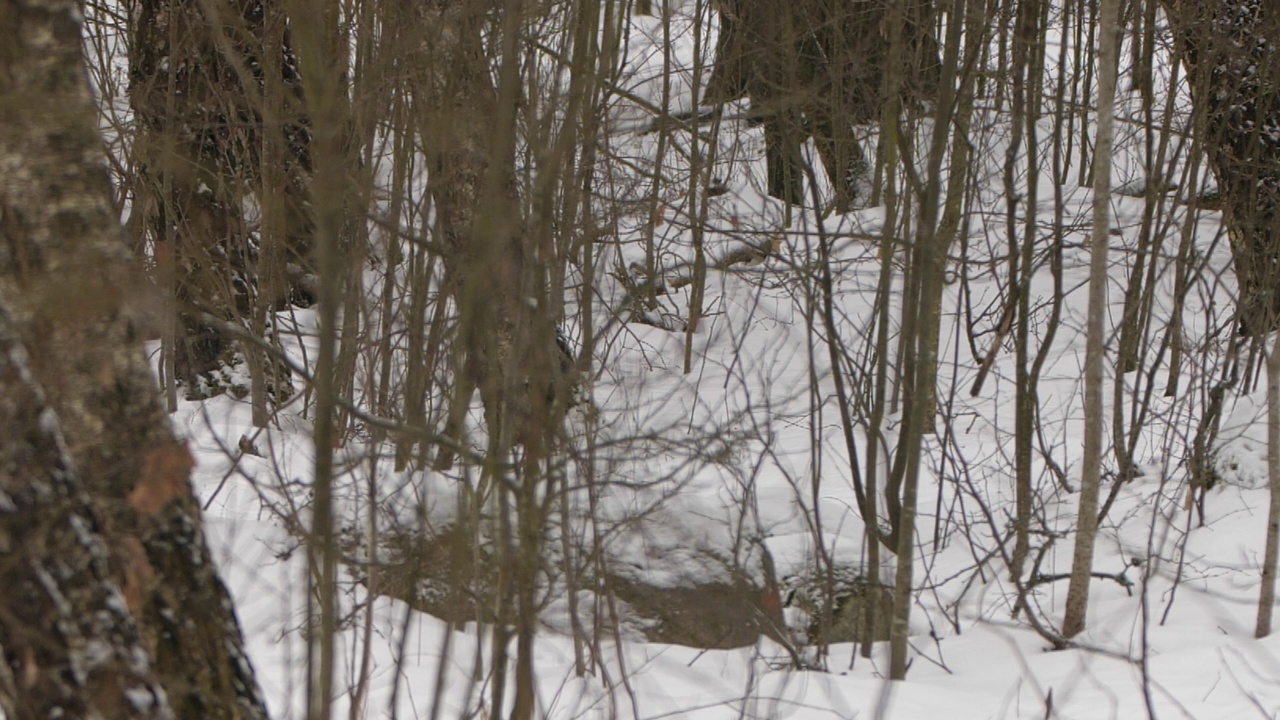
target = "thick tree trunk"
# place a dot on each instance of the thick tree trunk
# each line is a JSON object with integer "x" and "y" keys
{"x": 197, "y": 87}
{"x": 76, "y": 296}
{"x": 816, "y": 68}
{"x": 1232, "y": 51}
{"x": 62, "y": 608}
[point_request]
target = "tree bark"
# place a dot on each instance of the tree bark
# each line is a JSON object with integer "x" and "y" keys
{"x": 458, "y": 107}
{"x": 62, "y": 607}
{"x": 76, "y": 299}
{"x": 498, "y": 279}
{"x": 1095, "y": 338}
{"x": 469, "y": 127}
{"x": 816, "y": 68}
{"x": 1267, "y": 593}
{"x": 1232, "y": 52}
{"x": 198, "y": 89}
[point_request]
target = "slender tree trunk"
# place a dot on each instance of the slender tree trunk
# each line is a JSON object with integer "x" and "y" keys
{"x": 1024, "y": 105}
{"x": 897, "y": 206}
{"x": 1267, "y": 597}
{"x": 1095, "y": 350}
{"x": 929, "y": 261}
{"x": 322, "y": 50}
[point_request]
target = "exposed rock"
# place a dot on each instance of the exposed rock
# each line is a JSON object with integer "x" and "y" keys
{"x": 708, "y": 615}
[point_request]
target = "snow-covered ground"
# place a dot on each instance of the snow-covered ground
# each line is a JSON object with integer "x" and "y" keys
{"x": 749, "y": 444}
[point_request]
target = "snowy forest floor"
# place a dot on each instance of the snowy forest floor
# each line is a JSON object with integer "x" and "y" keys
{"x": 749, "y": 446}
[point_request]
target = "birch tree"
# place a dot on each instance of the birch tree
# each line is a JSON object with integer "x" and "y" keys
{"x": 73, "y": 300}
{"x": 59, "y": 597}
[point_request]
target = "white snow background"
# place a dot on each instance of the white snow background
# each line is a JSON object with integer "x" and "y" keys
{"x": 1177, "y": 644}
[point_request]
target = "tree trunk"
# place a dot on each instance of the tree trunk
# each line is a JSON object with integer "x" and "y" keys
{"x": 1232, "y": 51}
{"x": 458, "y": 107}
{"x": 816, "y": 68}
{"x": 928, "y": 265}
{"x": 1025, "y": 100}
{"x": 469, "y": 127}
{"x": 198, "y": 88}
{"x": 60, "y": 598}
{"x": 1267, "y": 595}
{"x": 76, "y": 299}
{"x": 498, "y": 278}
{"x": 1095, "y": 350}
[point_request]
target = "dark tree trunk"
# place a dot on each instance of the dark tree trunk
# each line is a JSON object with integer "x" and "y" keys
{"x": 1232, "y": 50}
{"x": 468, "y": 125}
{"x": 498, "y": 282}
{"x": 457, "y": 107}
{"x": 816, "y": 68}
{"x": 197, "y": 87}
{"x": 75, "y": 297}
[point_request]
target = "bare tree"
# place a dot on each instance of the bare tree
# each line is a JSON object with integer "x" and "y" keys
{"x": 482, "y": 127}
{"x": 1095, "y": 352}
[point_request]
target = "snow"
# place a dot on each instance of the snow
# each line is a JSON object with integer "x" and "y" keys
{"x": 749, "y": 445}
